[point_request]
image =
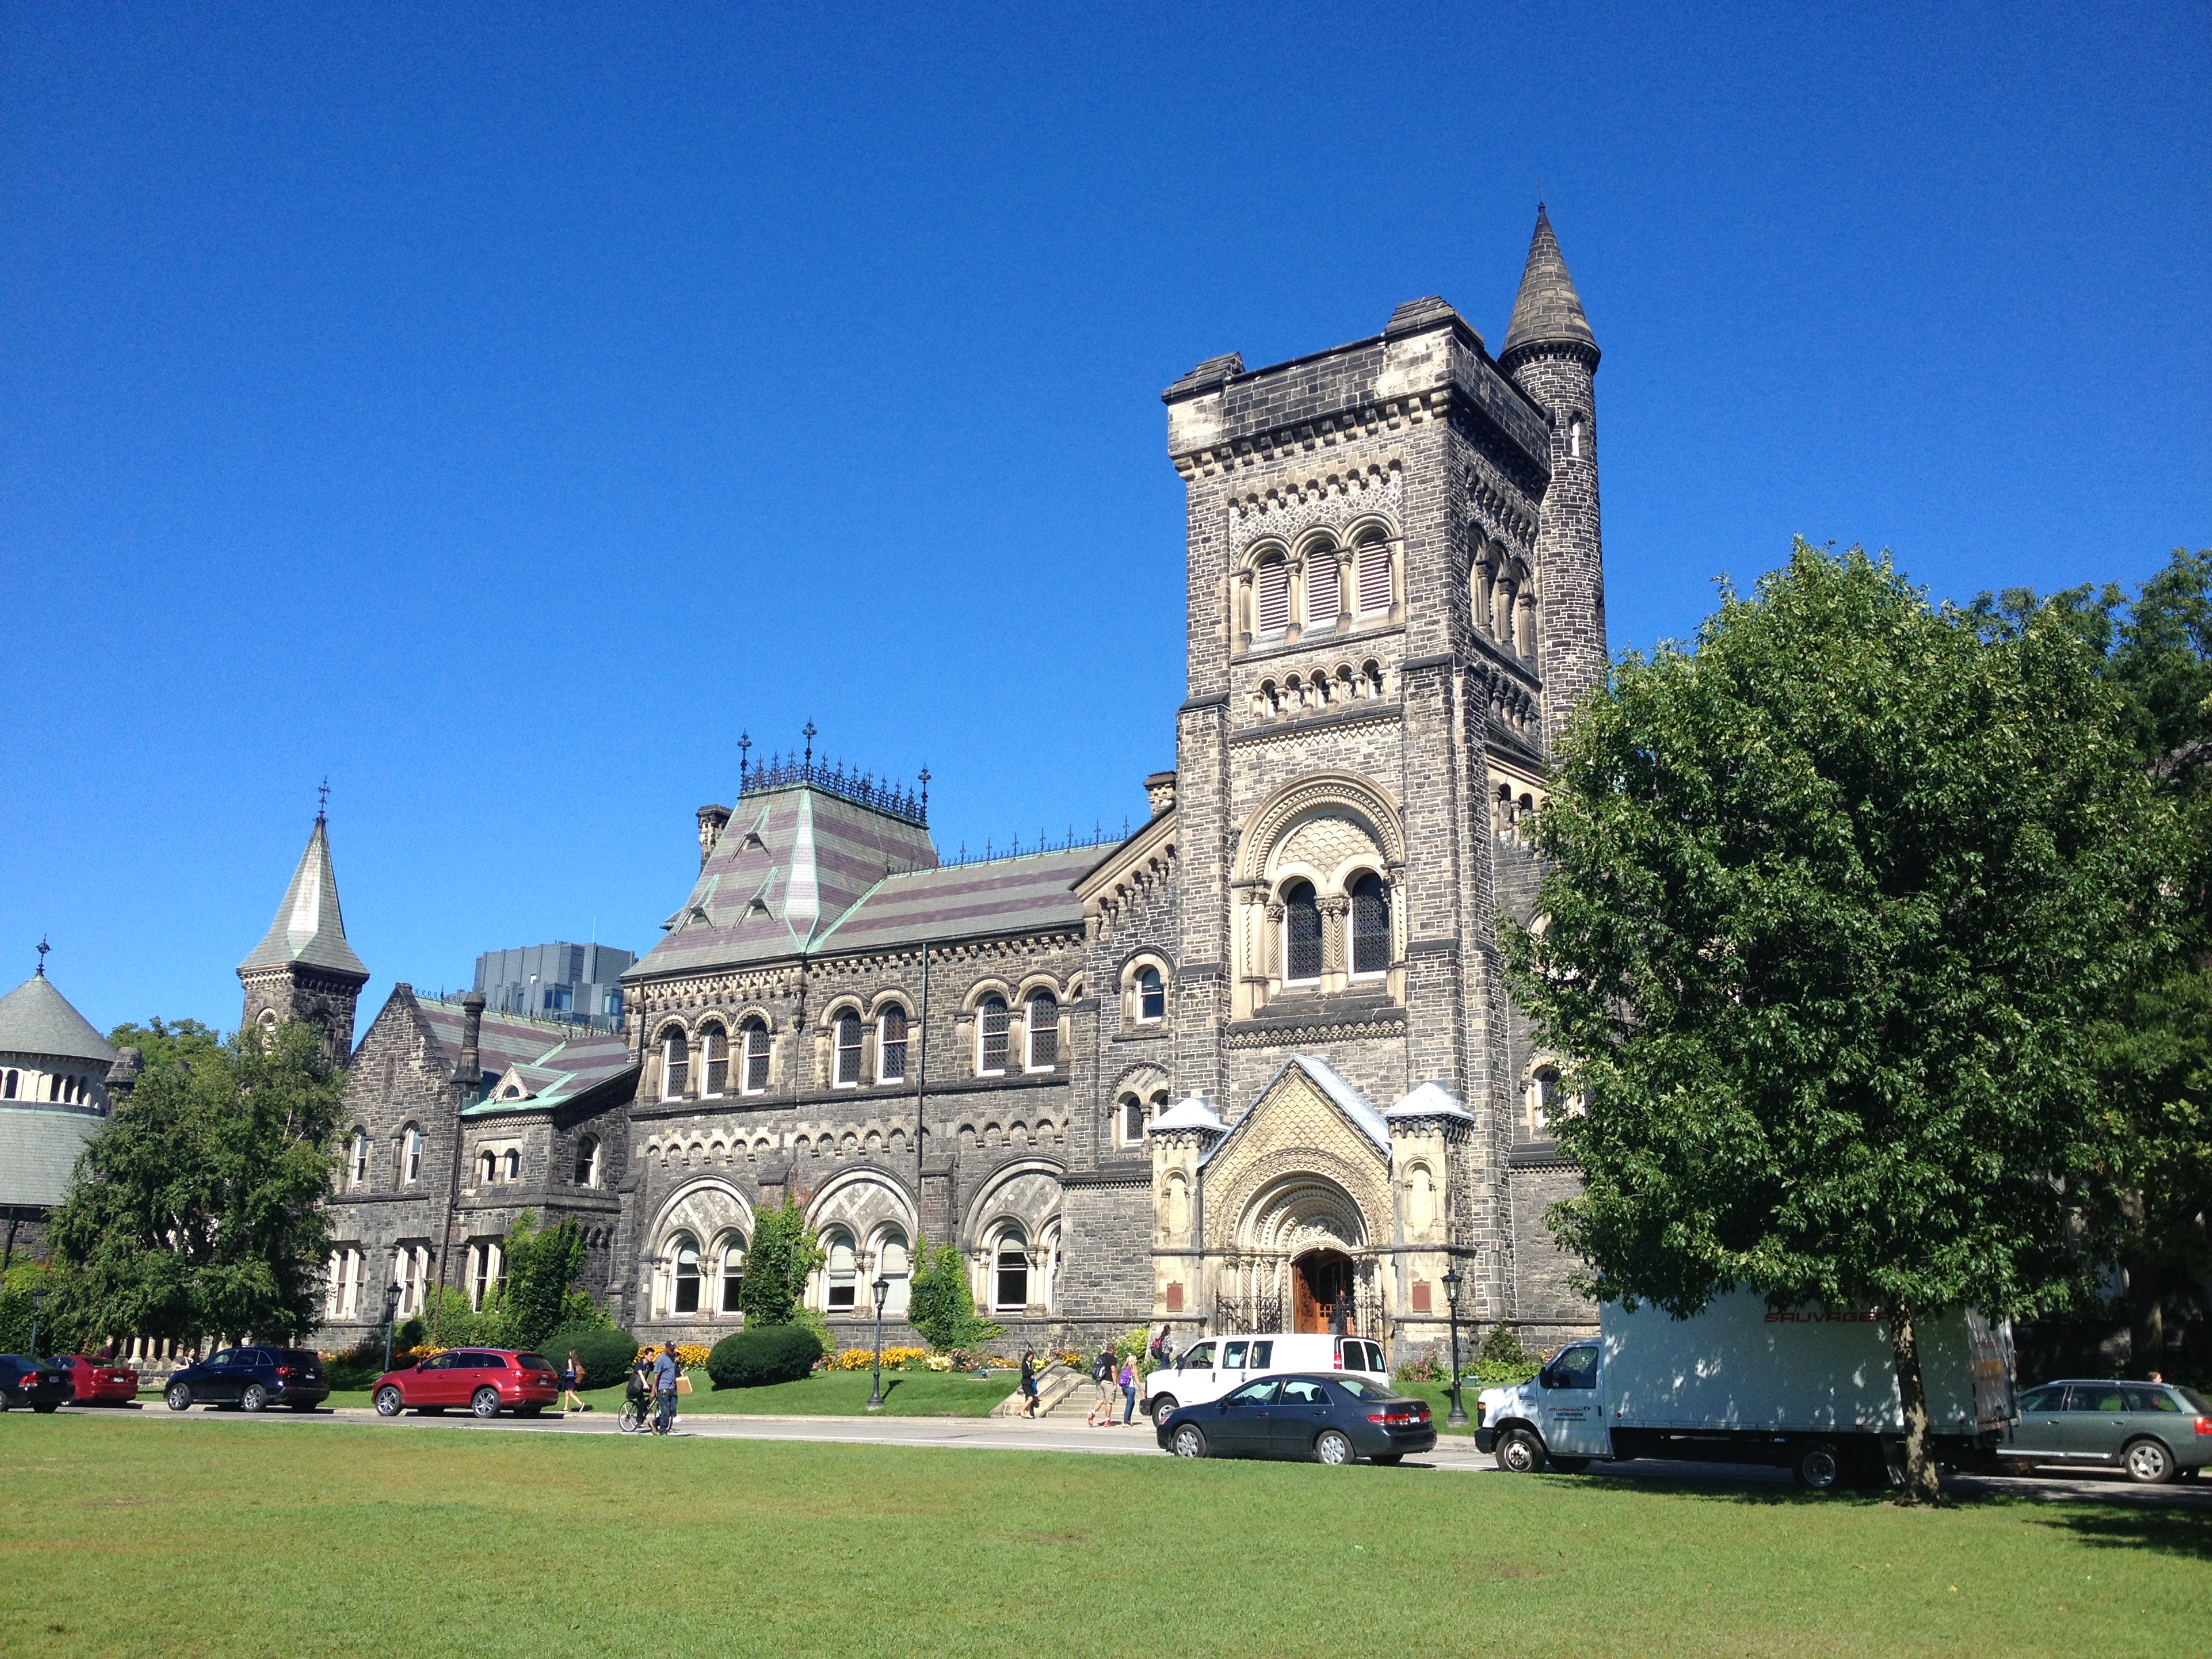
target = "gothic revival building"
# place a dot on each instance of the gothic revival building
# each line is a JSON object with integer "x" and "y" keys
{"x": 1253, "y": 1063}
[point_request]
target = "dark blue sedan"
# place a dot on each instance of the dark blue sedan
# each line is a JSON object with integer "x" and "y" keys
{"x": 44, "y": 1385}
{"x": 252, "y": 1379}
{"x": 1330, "y": 1419}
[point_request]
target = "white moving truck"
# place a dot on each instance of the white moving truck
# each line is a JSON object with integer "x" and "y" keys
{"x": 1812, "y": 1390}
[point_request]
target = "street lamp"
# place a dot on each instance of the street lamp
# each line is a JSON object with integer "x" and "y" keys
{"x": 1457, "y": 1416}
{"x": 38, "y": 1300}
{"x": 881, "y": 1287}
{"x": 392, "y": 1295}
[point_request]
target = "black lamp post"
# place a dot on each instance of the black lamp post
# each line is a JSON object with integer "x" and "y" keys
{"x": 392, "y": 1295}
{"x": 38, "y": 1300}
{"x": 881, "y": 1286}
{"x": 1458, "y": 1416}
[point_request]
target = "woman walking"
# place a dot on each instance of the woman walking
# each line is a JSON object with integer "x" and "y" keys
{"x": 1129, "y": 1382}
{"x": 1028, "y": 1383}
{"x": 572, "y": 1378}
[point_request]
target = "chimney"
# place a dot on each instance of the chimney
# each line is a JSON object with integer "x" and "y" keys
{"x": 713, "y": 820}
{"x": 471, "y": 1073}
{"x": 1159, "y": 788}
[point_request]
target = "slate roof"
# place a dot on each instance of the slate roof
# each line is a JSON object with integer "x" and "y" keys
{"x": 309, "y": 928}
{"x": 1430, "y": 1100}
{"x": 555, "y": 1062}
{"x": 1547, "y": 310}
{"x": 37, "y": 1019}
{"x": 799, "y": 871}
{"x": 39, "y": 1147}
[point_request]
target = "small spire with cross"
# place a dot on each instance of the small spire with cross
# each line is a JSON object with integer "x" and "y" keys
{"x": 810, "y": 735}
{"x": 43, "y": 948}
{"x": 744, "y": 753}
{"x": 323, "y": 799}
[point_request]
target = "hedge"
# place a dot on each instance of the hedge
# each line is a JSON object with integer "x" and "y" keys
{"x": 763, "y": 1354}
{"x": 606, "y": 1353}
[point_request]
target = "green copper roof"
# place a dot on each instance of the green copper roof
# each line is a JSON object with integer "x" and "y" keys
{"x": 308, "y": 928}
{"x": 1547, "y": 310}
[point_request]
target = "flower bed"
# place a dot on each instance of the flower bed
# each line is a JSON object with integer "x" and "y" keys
{"x": 895, "y": 1359}
{"x": 689, "y": 1355}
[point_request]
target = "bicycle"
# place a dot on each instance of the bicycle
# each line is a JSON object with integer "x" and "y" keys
{"x": 636, "y": 1413}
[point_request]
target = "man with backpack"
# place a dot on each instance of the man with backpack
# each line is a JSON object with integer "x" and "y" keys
{"x": 1102, "y": 1378}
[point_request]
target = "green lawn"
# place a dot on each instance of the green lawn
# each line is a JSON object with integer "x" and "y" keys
{"x": 827, "y": 1394}
{"x": 241, "y": 1538}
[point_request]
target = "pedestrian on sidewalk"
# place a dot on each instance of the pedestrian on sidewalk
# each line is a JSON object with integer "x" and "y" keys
{"x": 1028, "y": 1383}
{"x": 1128, "y": 1381}
{"x": 665, "y": 1373}
{"x": 1100, "y": 1415}
{"x": 572, "y": 1378}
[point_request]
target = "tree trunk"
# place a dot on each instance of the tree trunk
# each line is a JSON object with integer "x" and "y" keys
{"x": 2147, "y": 1318}
{"x": 1921, "y": 1485}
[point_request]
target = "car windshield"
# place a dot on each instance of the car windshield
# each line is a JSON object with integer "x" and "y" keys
{"x": 2196, "y": 1402}
{"x": 1360, "y": 1388}
{"x": 533, "y": 1362}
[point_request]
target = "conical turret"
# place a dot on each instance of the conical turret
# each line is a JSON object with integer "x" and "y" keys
{"x": 1547, "y": 312}
{"x": 304, "y": 969}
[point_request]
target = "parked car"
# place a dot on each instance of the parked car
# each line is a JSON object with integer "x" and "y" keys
{"x": 1210, "y": 1368}
{"x": 2156, "y": 1431}
{"x": 44, "y": 1385}
{"x": 100, "y": 1382}
{"x": 253, "y": 1379}
{"x": 1335, "y": 1419}
{"x": 487, "y": 1381}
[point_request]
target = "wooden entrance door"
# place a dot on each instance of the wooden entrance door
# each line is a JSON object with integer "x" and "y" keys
{"x": 1321, "y": 1284}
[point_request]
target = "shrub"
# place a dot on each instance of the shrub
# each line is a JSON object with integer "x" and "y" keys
{"x": 941, "y": 1307}
{"x": 782, "y": 1256}
{"x": 761, "y": 1354}
{"x": 605, "y": 1352}
{"x": 533, "y": 1299}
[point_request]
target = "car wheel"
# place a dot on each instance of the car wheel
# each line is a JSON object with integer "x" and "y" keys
{"x": 179, "y": 1397}
{"x": 1188, "y": 1441}
{"x": 485, "y": 1402}
{"x": 1331, "y": 1447}
{"x": 1164, "y": 1406}
{"x": 254, "y": 1398}
{"x": 390, "y": 1402}
{"x": 2147, "y": 1462}
{"x": 1819, "y": 1467}
{"x": 1570, "y": 1465}
{"x": 1520, "y": 1452}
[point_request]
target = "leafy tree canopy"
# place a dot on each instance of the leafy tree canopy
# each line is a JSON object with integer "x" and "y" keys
{"x": 1836, "y": 904}
{"x": 162, "y": 1044}
{"x": 197, "y": 1209}
{"x": 942, "y": 1307}
{"x": 534, "y": 1299}
{"x": 783, "y": 1254}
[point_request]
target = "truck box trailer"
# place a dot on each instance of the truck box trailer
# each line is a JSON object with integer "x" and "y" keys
{"x": 1812, "y": 1389}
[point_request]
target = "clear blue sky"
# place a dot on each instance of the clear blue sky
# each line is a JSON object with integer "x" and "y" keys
{"x": 499, "y": 409}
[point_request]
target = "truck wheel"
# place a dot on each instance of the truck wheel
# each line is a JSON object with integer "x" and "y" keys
{"x": 1162, "y": 1406}
{"x": 1520, "y": 1452}
{"x": 1570, "y": 1465}
{"x": 2147, "y": 1462}
{"x": 1819, "y": 1467}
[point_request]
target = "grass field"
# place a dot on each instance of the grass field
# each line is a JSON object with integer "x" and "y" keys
{"x": 827, "y": 1394}
{"x": 240, "y": 1538}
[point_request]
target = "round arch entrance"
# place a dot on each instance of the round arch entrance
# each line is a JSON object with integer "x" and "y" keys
{"x": 1324, "y": 1284}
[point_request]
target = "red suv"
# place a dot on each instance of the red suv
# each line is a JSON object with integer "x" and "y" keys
{"x": 485, "y": 1380}
{"x": 102, "y": 1381}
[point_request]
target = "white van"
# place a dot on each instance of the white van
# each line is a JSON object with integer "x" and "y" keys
{"x": 1212, "y": 1365}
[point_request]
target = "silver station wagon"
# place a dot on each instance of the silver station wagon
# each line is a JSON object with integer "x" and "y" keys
{"x": 2156, "y": 1431}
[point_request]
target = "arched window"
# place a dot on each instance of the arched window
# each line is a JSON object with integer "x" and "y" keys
{"x": 1374, "y": 577}
{"x": 895, "y": 1267}
{"x": 890, "y": 1045}
{"x": 484, "y": 1263}
{"x": 733, "y": 1272}
{"x": 713, "y": 1060}
{"x": 1271, "y": 606}
{"x": 1044, "y": 1031}
{"x": 675, "y": 1064}
{"x": 848, "y": 1050}
{"x": 410, "y": 1155}
{"x": 842, "y": 1271}
{"x": 1010, "y": 1274}
{"x": 687, "y": 1277}
{"x": 756, "y": 1040}
{"x": 587, "y": 1161}
{"x": 14, "y": 1078}
{"x": 358, "y": 1159}
{"x": 1370, "y": 925}
{"x": 488, "y": 1169}
{"x": 1322, "y": 586}
{"x": 1152, "y": 995}
{"x": 1133, "y": 1121}
{"x": 512, "y": 1169}
{"x": 991, "y": 1036}
{"x": 1575, "y": 438}
{"x": 1541, "y": 1105}
{"x": 1301, "y": 933}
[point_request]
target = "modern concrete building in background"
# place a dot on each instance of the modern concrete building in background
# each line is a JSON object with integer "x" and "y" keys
{"x": 578, "y": 983}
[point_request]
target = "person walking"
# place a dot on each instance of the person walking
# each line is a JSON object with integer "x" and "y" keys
{"x": 1100, "y": 1415}
{"x": 572, "y": 1378}
{"x": 1160, "y": 1349}
{"x": 1028, "y": 1383}
{"x": 665, "y": 1373}
{"x": 1129, "y": 1382}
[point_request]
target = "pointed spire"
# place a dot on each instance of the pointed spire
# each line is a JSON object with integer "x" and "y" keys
{"x": 1547, "y": 310}
{"x": 309, "y": 928}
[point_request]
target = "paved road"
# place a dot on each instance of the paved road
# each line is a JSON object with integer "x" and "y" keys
{"x": 1453, "y": 1453}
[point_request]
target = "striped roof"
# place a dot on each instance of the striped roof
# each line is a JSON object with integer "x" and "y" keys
{"x": 800, "y": 872}
{"x": 557, "y": 1062}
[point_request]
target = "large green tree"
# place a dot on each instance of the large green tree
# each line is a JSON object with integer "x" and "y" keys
{"x": 1837, "y": 901}
{"x": 197, "y": 1209}
{"x": 784, "y": 1253}
{"x": 535, "y": 1296}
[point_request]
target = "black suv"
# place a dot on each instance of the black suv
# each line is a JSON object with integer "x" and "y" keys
{"x": 253, "y": 1379}
{"x": 44, "y": 1385}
